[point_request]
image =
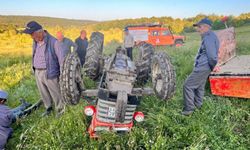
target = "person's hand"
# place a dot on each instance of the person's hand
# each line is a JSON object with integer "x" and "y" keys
{"x": 216, "y": 69}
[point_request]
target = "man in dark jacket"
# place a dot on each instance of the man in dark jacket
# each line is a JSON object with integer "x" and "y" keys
{"x": 64, "y": 44}
{"x": 46, "y": 60}
{"x": 205, "y": 62}
{"x": 7, "y": 116}
{"x": 82, "y": 44}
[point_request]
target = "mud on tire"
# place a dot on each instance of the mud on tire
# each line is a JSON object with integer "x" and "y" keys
{"x": 163, "y": 76}
{"x": 70, "y": 79}
{"x": 92, "y": 66}
{"x": 143, "y": 65}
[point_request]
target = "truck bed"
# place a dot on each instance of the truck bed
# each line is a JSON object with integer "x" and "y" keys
{"x": 237, "y": 66}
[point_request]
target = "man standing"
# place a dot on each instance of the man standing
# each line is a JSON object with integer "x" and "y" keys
{"x": 128, "y": 43}
{"x": 82, "y": 44}
{"x": 45, "y": 63}
{"x": 205, "y": 62}
{"x": 64, "y": 44}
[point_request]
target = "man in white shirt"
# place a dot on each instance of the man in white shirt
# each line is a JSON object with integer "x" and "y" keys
{"x": 128, "y": 43}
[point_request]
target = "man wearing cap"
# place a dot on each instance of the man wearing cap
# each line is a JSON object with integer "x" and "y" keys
{"x": 205, "y": 62}
{"x": 46, "y": 60}
{"x": 82, "y": 45}
{"x": 7, "y": 116}
{"x": 64, "y": 44}
{"x": 128, "y": 43}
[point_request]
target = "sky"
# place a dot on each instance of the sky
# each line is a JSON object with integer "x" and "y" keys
{"x": 102, "y": 10}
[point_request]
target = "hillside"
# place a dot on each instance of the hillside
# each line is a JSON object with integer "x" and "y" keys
{"x": 47, "y": 21}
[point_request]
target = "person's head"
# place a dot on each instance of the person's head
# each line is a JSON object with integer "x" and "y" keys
{"x": 35, "y": 30}
{"x": 59, "y": 36}
{"x": 203, "y": 26}
{"x": 83, "y": 34}
{"x": 3, "y": 96}
{"x": 126, "y": 31}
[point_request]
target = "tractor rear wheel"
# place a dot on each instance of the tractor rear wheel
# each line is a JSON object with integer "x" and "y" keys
{"x": 163, "y": 76}
{"x": 92, "y": 66}
{"x": 143, "y": 65}
{"x": 71, "y": 84}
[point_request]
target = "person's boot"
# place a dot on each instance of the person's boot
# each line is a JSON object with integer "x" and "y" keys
{"x": 198, "y": 106}
{"x": 60, "y": 112}
{"x": 187, "y": 112}
{"x": 47, "y": 112}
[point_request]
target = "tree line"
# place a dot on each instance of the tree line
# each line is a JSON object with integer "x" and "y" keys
{"x": 176, "y": 24}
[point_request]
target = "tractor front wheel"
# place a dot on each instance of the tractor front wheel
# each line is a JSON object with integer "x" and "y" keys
{"x": 71, "y": 84}
{"x": 163, "y": 76}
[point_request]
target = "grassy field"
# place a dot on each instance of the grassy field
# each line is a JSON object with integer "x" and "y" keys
{"x": 222, "y": 123}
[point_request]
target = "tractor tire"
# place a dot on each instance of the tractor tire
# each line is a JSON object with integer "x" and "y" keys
{"x": 143, "y": 65}
{"x": 92, "y": 66}
{"x": 178, "y": 43}
{"x": 163, "y": 76}
{"x": 71, "y": 84}
{"x": 121, "y": 106}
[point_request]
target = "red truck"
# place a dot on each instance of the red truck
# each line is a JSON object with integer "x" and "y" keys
{"x": 155, "y": 34}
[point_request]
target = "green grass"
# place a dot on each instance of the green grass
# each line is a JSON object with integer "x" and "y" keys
{"x": 222, "y": 123}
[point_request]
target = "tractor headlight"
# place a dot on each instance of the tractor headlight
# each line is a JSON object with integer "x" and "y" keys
{"x": 138, "y": 116}
{"x": 89, "y": 110}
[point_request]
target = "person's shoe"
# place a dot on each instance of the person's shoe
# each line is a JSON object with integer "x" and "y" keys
{"x": 58, "y": 115}
{"x": 47, "y": 112}
{"x": 60, "y": 112}
{"x": 187, "y": 112}
{"x": 198, "y": 106}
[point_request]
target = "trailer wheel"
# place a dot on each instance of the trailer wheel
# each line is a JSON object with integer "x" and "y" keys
{"x": 163, "y": 76}
{"x": 143, "y": 65}
{"x": 92, "y": 66}
{"x": 71, "y": 84}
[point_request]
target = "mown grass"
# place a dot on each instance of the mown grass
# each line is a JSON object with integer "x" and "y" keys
{"x": 222, "y": 123}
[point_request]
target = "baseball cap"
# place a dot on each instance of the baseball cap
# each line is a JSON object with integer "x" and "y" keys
{"x": 125, "y": 29}
{"x": 203, "y": 21}
{"x": 31, "y": 27}
{"x": 3, "y": 94}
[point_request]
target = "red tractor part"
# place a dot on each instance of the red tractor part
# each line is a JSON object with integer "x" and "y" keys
{"x": 97, "y": 125}
{"x": 139, "y": 116}
{"x": 233, "y": 78}
{"x": 89, "y": 110}
{"x": 234, "y": 86}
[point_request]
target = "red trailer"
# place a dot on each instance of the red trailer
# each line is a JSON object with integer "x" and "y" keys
{"x": 233, "y": 79}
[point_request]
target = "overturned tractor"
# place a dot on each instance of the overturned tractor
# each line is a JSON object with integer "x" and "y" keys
{"x": 120, "y": 83}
